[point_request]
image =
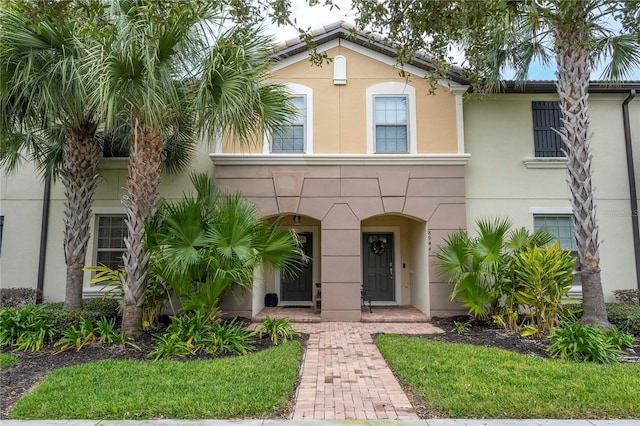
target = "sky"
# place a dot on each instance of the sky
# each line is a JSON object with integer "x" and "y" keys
{"x": 319, "y": 16}
{"x": 313, "y": 17}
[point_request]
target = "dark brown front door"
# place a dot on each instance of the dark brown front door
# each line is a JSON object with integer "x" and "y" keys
{"x": 377, "y": 266}
{"x": 299, "y": 287}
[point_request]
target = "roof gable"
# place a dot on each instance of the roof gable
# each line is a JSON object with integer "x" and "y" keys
{"x": 345, "y": 35}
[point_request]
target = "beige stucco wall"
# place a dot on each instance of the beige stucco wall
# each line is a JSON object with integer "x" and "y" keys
{"x": 346, "y": 200}
{"x": 499, "y": 136}
{"x": 339, "y": 111}
{"x": 21, "y": 195}
{"x": 21, "y": 204}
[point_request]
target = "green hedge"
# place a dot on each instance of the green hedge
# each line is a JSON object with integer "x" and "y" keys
{"x": 61, "y": 319}
{"x": 93, "y": 309}
{"x": 625, "y": 317}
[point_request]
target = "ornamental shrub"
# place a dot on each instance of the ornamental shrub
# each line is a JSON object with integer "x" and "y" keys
{"x": 543, "y": 278}
{"x": 579, "y": 342}
{"x": 628, "y": 297}
{"x": 18, "y": 297}
{"x": 25, "y": 329}
{"x": 625, "y": 318}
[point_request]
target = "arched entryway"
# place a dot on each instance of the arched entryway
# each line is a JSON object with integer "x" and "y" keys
{"x": 395, "y": 260}
{"x": 297, "y": 289}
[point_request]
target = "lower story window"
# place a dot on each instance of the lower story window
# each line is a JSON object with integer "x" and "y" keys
{"x": 110, "y": 240}
{"x": 564, "y": 231}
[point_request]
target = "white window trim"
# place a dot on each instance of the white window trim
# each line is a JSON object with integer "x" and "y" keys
{"x": 101, "y": 211}
{"x": 545, "y": 162}
{"x": 551, "y": 211}
{"x": 98, "y": 212}
{"x": 98, "y": 290}
{"x": 296, "y": 89}
{"x": 387, "y": 89}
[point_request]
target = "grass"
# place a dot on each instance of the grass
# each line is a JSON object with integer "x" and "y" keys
{"x": 7, "y": 360}
{"x": 252, "y": 386}
{"x": 465, "y": 381}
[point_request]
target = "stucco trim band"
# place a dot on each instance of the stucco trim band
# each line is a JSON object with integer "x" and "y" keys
{"x": 340, "y": 159}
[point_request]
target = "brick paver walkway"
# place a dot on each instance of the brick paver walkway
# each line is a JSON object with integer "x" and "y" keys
{"x": 345, "y": 377}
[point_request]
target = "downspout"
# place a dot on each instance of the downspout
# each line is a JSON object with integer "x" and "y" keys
{"x": 633, "y": 197}
{"x": 44, "y": 231}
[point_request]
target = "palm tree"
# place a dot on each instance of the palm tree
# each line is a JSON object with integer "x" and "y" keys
{"x": 203, "y": 245}
{"x": 578, "y": 37}
{"x": 46, "y": 112}
{"x": 502, "y": 36}
{"x": 159, "y": 61}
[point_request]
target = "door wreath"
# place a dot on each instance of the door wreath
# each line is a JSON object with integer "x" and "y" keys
{"x": 378, "y": 247}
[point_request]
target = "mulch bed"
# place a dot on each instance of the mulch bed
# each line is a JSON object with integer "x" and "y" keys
{"x": 483, "y": 334}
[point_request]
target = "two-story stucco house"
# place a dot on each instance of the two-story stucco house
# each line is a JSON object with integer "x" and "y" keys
{"x": 372, "y": 173}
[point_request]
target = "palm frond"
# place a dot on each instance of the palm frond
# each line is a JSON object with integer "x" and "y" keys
{"x": 234, "y": 97}
{"x": 280, "y": 250}
{"x": 491, "y": 238}
{"x": 623, "y": 53}
{"x": 453, "y": 257}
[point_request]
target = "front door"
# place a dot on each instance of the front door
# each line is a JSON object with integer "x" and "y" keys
{"x": 298, "y": 288}
{"x": 377, "y": 266}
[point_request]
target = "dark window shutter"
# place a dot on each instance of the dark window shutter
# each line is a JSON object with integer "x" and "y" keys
{"x": 546, "y": 117}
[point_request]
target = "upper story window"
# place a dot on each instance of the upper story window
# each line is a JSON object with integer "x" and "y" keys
{"x": 546, "y": 117}
{"x": 110, "y": 240}
{"x": 296, "y": 137}
{"x": 391, "y": 119}
{"x": 291, "y": 137}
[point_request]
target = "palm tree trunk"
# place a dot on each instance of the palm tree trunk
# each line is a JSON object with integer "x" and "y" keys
{"x": 573, "y": 71}
{"x": 80, "y": 179}
{"x": 141, "y": 202}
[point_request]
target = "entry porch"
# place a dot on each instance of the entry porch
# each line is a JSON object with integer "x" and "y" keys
{"x": 384, "y": 314}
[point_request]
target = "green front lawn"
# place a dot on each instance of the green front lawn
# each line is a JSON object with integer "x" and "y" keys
{"x": 465, "y": 381}
{"x": 252, "y": 386}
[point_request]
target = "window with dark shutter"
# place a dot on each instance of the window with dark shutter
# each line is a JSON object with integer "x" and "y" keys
{"x": 546, "y": 117}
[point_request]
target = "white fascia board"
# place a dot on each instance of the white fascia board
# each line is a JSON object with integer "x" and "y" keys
{"x": 339, "y": 159}
{"x": 304, "y": 56}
